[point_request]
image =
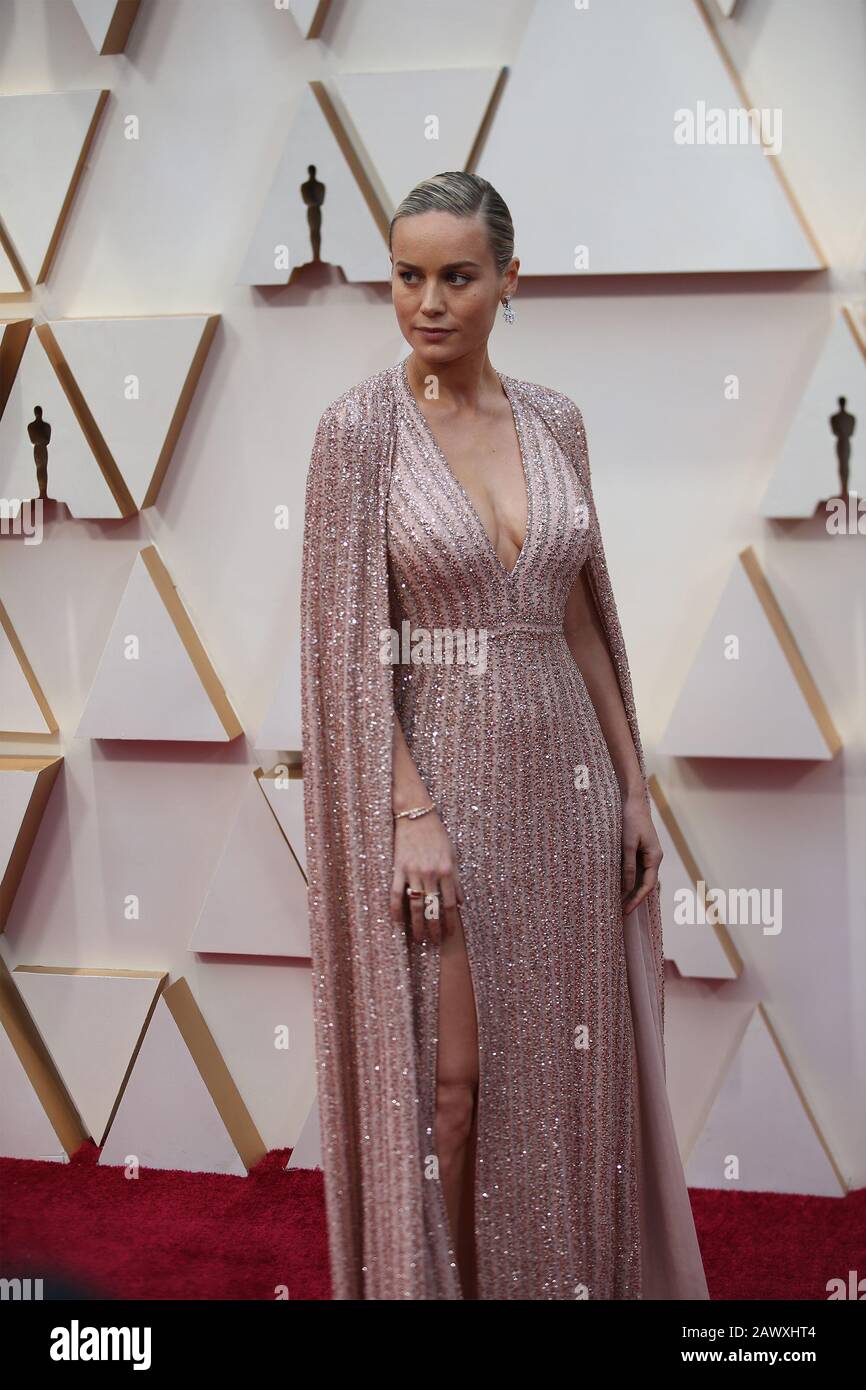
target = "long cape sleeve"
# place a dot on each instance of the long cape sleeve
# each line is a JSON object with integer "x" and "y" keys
{"x": 381, "y": 1244}
{"x": 365, "y": 1053}
{"x": 671, "y": 1265}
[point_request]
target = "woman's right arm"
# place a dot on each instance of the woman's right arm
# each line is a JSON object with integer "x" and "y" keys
{"x": 423, "y": 854}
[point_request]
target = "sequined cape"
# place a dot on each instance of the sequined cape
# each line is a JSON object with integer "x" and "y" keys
{"x": 372, "y": 1149}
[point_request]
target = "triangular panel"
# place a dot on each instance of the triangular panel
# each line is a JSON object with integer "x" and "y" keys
{"x": 181, "y": 1109}
{"x": 354, "y": 228}
{"x": 257, "y": 900}
{"x": 698, "y": 948}
{"x": 75, "y": 475}
{"x": 108, "y": 22}
{"x": 37, "y": 1117}
{"x": 808, "y": 471}
{"x": 55, "y": 130}
{"x": 778, "y": 1150}
{"x": 762, "y": 703}
{"x": 11, "y": 280}
{"x": 591, "y": 118}
{"x": 307, "y": 1152}
{"x": 24, "y": 709}
{"x": 392, "y": 113}
{"x": 25, "y": 786}
{"x": 25, "y": 1129}
{"x": 92, "y": 1022}
{"x": 155, "y": 679}
{"x": 286, "y": 797}
{"x": 310, "y": 15}
{"x": 137, "y": 408}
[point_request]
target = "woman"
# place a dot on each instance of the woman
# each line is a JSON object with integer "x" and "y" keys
{"x": 483, "y": 869}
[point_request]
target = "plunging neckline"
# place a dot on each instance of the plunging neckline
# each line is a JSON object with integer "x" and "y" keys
{"x": 440, "y": 453}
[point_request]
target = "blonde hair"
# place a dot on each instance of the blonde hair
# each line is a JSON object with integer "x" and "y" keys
{"x": 464, "y": 195}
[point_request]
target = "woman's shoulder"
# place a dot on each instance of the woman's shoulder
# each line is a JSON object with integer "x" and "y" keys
{"x": 559, "y": 413}
{"x": 353, "y": 407}
{"x": 547, "y": 400}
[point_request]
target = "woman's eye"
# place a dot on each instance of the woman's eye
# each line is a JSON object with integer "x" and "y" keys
{"x": 406, "y": 275}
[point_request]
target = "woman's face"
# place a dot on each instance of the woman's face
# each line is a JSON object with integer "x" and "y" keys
{"x": 444, "y": 278}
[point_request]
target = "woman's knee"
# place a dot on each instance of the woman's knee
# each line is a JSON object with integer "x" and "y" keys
{"x": 455, "y": 1108}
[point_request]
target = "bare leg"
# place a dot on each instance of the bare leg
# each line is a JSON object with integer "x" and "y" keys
{"x": 456, "y": 1091}
{"x": 466, "y": 1253}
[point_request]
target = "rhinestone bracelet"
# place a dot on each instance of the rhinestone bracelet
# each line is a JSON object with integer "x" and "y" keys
{"x": 415, "y": 812}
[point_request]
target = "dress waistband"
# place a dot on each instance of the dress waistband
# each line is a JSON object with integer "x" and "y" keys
{"x": 517, "y": 629}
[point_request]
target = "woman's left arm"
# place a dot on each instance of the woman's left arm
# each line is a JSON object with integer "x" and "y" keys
{"x": 587, "y": 642}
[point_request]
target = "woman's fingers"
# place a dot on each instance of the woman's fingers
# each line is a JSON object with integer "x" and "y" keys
{"x": 433, "y": 914}
{"x": 629, "y": 864}
{"x": 449, "y": 897}
{"x": 433, "y": 909}
{"x": 398, "y": 898}
{"x": 650, "y": 859}
{"x": 417, "y": 897}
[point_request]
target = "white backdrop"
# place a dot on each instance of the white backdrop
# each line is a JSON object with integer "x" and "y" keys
{"x": 161, "y": 225}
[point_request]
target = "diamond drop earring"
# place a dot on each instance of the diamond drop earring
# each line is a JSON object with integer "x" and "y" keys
{"x": 509, "y": 313}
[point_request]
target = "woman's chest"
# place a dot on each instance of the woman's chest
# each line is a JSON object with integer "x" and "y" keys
{"x": 440, "y": 524}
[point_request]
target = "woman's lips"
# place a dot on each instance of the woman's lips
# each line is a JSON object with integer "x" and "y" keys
{"x": 435, "y": 332}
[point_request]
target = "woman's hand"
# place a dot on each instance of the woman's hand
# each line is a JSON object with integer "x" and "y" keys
{"x": 424, "y": 859}
{"x": 640, "y": 851}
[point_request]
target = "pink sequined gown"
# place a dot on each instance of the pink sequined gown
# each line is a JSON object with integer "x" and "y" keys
{"x": 516, "y": 760}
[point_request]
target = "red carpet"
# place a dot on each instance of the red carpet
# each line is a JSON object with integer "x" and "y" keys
{"x": 166, "y": 1235}
{"x": 202, "y": 1236}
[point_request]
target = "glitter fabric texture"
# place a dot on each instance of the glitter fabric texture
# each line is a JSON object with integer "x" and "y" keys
{"x": 579, "y": 1188}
